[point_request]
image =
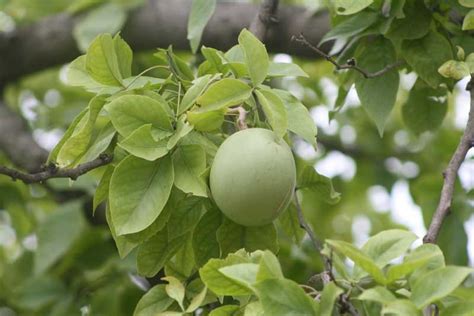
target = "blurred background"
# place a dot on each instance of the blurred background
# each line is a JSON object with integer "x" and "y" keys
{"x": 387, "y": 182}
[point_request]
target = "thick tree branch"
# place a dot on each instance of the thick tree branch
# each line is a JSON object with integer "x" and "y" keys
{"x": 50, "y": 42}
{"x": 17, "y": 142}
{"x": 450, "y": 174}
{"x": 53, "y": 171}
{"x": 350, "y": 64}
{"x": 265, "y": 17}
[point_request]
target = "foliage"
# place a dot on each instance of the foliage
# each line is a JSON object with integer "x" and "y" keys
{"x": 164, "y": 126}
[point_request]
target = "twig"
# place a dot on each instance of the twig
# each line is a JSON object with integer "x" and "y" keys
{"x": 52, "y": 171}
{"x": 350, "y": 64}
{"x": 450, "y": 174}
{"x": 265, "y": 17}
{"x": 241, "y": 124}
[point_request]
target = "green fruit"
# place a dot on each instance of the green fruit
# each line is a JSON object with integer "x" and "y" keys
{"x": 253, "y": 177}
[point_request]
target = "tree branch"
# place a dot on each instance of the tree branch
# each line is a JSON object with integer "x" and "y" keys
{"x": 50, "y": 42}
{"x": 52, "y": 171}
{"x": 350, "y": 64}
{"x": 17, "y": 142}
{"x": 450, "y": 174}
{"x": 265, "y": 17}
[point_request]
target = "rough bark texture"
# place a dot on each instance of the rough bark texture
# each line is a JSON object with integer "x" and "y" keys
{"x": 158, "y": 23}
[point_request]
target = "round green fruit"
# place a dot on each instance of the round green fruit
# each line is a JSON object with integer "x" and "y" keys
{"x": 253, "y": 177}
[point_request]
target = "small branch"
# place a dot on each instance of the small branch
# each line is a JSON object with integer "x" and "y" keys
{"x": 450, "y": 174}
{"x": 265, "y": 17}
{"x": 52, "y": 171}
{"x": 350, "y": 64}
{"x": 241, "y": 124}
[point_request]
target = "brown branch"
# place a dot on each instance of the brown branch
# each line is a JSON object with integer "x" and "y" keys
{"x": 52, "y": 171}
{"x": 265, "y": 17}
{"x": 350, "y": 64}
{"x": 450, "y": 174}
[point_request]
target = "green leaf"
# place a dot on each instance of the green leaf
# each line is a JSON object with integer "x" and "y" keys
{"x": 256, "y": 56}
{"x": 467, "y": 3}
{"x": 416, "y": 53}
{"x": 189, "y": 99}
{"x": 155, "y": 301}
{"x": 140, "y": 143}
{"x": 300, "y": 121}
{"x": 130, "y": 112}
{"x": 415, "y": 24}
{"x": 77, "y": 76}
{"x": 328, "y": 298}
{"x": 425, "y": 108}
{"x": 360, "y": 259}
{"x": 155, "y": 252}
{"x": 175, "y": 290}
{"x": 201, "y": 12}
{"x": 225, "y": 310}
{"x": 109, "y": 60}
{"x": 468, "y": 22}
{"x": 346, "y": 7}
{"x": 197, "y": 301}
{"x": 102, "y": 189}
{"x": 388, "y": 245}
{"x": 254, "y": 309}
{"x": 290, "y": 225}
{"x": 285, "y": 70}
{"x": 182, "y": 264}
{"x": 107, "y": 18}
{"x": 123, "y": 244}
{"x": 189, "y": 163}
{"x": 56, "y": 234}
{"x": 99, "y": 143}
{"x": 377, "y": 294}
{"x": 232, "y": 237}
{"x": 310, "y": 180}
{"x": 274, "y": 109}
{"x": 224, "y": 93}
{"x": 284, "y": 297}
{"x": 242, "y": 273}
{"x": 400, "y": 308}
{"x": 185, "y": 216}
{"x": 351, "y": 26}
{"x": 269, "y": 267}
{"x": 206, "y": 121}
{"x": 79, "y": 139}
{"x": 139, "y": 190}
{"x": 182, "y": 129}
{"x": 205, "y": 245}
{"x": 218, "y": 282}
{"x": 420, "y": 257}
{"x": 377, "y": 95}
{"x": 427, "y": 288}
{"x": 454, "y": 69}
{"x": 463, "y": 308}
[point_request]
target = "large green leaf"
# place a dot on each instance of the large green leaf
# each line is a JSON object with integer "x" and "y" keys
{"x": 285, "y": 70}
{"x": 377, "y": 294}
{"x": 56, "y": 234}
{"x": 130, "y": 112}
{"x": 377, "y": 95}
{"x": 189, "y": 163}
{"x": 285, "y": 297}
{"x": 300, "y": 121}
{"x": 415, "y": 24}
{"x": 155, "y": 301}
{"x": 256, "y": 57}
{"x": 242, "y": 273}
{"x": 182, "y": 129}
{"x": 463, "y": 308}
{"x": 428, "y": 288}
{"x": 201, "y": 12}
{"x": 139, "y": 190}
{"x": 123, "y": 244}
{"x": 310, "y": 180}
{"x": 425, "y": 108}
{"x": 269, "y": 267}
{"x": 426, "y": 55}
{"x": 351, "y": 26}
{"x": 274, "y": 109}
{"x": 205, "y": 245}
{"x": 185, "y": 216}
{"x": 224, "y": 93}
{"x": 109, "y": 60}
{"x": 189, "y": 99}
{"x": 232, "y": 237}
{"x": 140, "y": 143}
{"x": 206, "y": 121}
